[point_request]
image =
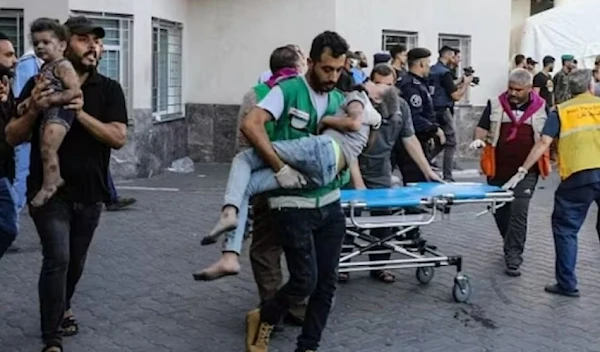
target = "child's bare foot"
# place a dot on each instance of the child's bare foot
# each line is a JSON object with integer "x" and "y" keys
{"x": 226, "y": 266}
{"x": 227, "y": 222}
{"x": 47, "y": 192}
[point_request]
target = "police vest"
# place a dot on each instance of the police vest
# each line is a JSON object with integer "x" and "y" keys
{"x": 299, "y": 119}
{"x": 488, "y": 156}
{"x": 579, "y": 139}
{"x": 441, "y": 98}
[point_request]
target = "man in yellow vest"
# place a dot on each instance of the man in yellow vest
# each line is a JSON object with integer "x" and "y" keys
{"x": 507, "y": 130}
{"x": 576, "y": 124}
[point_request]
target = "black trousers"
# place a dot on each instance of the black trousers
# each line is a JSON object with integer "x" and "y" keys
{"x": 65, "y": 230}
{"x": 511, "y": 219}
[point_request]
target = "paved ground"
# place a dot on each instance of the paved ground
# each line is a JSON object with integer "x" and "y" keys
{"x": 137, "y": 293}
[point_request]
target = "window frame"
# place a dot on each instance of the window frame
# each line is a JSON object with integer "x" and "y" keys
{"x": 18, "y": 15}
{"x": 174, "y": 32}
{"x": 411, "y": 38}
{"x": 125, "y": 65}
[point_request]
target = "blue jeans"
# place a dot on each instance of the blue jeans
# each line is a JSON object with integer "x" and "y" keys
{"x": 312, "y": 242}
{"x": 314, "y": 157}
{"x": 111, "y": 189}
{"x": 570, "y": 209}
{"x": 8, "y": 218}
{"x": 22, "y": 152}
{"x": 65, "y": 230}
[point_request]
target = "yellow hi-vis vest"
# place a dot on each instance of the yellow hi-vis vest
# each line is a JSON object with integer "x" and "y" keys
{"x": 579, "y": 139}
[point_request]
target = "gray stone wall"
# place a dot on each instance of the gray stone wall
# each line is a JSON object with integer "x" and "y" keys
{"x": 151, "y": 146}
{"x": 208, "y": 134}
{"x": 466, "y": 119}
{"x": 211, "y": 132}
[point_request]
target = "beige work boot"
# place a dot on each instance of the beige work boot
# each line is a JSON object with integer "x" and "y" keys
{"x": 257, "y": 333}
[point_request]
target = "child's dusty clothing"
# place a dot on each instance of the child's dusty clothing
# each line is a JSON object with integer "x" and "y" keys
{"x": 56, "y": 114}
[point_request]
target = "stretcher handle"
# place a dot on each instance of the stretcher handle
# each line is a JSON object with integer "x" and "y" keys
{"x": 367, "y": 226}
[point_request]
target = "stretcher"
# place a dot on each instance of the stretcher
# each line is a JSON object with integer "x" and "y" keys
{"x": 434, "y": 201}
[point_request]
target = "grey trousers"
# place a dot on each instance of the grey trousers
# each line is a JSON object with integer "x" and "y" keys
{"x": 449, "y": 148}
{"x": 511, "y": 219}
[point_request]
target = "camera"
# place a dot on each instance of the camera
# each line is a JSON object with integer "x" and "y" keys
{"x": 469, "y": 71}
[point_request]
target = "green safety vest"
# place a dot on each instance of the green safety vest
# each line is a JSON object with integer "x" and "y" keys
{"x": 299, "y": 119}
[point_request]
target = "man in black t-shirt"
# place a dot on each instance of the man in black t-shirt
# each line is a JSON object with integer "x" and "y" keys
{"x": 542, "y": 82}
{"x": 66, "y": 223}
{"x": 8, "y": 199}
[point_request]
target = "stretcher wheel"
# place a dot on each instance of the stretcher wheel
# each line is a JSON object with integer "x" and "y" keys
{"x": 425, "y": 274}
{"x": 462, "y": 289}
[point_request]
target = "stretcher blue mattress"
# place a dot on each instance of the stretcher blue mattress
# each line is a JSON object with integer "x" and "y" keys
{"x": 413, "y": 194}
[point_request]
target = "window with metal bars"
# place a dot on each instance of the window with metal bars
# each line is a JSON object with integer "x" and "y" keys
{"x": 390, "y": 39}
{"x": 167, "y": 102}
{"x": 11, "y": 24}
{"x": 116, "y": 61}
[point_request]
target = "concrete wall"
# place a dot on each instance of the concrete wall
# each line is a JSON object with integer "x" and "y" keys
{"x": 231, "y": 41}
{"x": 520, "y": 11}
{"x": 362, "y": 22}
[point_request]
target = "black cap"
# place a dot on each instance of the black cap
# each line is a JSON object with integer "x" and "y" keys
{"x": 381, "y": 58}
{"x": 531, "y": 61}
{"x": 82, "y": 25}
{"x": 548, "y": 60}
{"x": 418, "y": 53}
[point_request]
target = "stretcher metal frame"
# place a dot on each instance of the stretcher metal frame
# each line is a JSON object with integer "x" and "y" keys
{"x": 417, "y": 252}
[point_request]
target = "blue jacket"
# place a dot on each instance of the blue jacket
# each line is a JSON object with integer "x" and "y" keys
{"x": 27, "y": 67}
{"x": 441, "y": 98}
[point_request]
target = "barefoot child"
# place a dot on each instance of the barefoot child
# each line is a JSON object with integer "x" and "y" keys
{"x": 49, "y": 39}
{"x": 317, "y": 159}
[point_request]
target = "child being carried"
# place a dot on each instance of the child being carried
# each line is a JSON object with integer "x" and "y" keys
{"x": 49, "y": 39}
{"x": 310, "y": 162}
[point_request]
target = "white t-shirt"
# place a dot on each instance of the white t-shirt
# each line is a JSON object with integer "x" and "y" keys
{"x": 264, "y": 76}
{"x": 273, "y": 101}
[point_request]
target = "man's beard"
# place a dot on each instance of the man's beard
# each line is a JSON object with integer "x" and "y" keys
{"x": 319, "y": 86}
{"x": 7, "y": 71}
{"x": 77, "y": 63}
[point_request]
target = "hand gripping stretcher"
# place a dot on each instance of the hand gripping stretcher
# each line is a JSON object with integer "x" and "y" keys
{"x": 437, "y": 198}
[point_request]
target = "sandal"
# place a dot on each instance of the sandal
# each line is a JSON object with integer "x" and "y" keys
{"x": 343, "y": 277}
{"x": 383, "y": 276}
{"x": 69, "y": 326}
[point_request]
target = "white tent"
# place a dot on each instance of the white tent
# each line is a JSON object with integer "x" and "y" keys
{"x": 569, "y": 29}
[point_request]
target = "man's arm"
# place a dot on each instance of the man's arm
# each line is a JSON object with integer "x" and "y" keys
{"x": 19, "y": 128}
{"x": 415, "y": 151}
{"x": 253, "y": 127}
{"x": 421, "y": 123}
{"x": 113, "y": 133}
{"x": 551, "y": 130}
{"x": 351, "y": 122}
{"x": 484, "y": 124}
{"x": 459, "y": 91}
{"x": 69, "y": 78}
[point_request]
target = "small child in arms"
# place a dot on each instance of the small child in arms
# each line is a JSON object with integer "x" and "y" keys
{"x": 49, "y": 39}
{"x": 318, "y": 159}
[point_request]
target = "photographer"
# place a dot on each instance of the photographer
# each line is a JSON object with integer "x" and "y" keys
{"x": 444, "y": 93}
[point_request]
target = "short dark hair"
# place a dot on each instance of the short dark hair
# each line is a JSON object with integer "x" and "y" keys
{"x": 417, "y": 54}
{"x": 548, "y": 60}
{"x": 446, "y": 49}
{"x": 3, "y": 36}
{"x": 331, "y": 40}
{"x": 519, "y": 59}
{"x": 397, "y": 50}
{"x": 456, "y": 51}
{"x": 45, "y": 24}
{"x": 383, "y": 70}
{"x": 284, "y": 57}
